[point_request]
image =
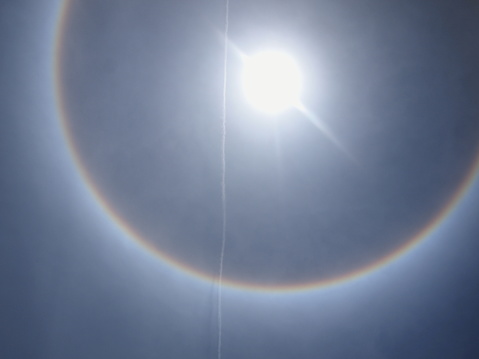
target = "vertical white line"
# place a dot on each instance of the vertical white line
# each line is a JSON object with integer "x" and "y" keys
{"x": 223, "y": 182}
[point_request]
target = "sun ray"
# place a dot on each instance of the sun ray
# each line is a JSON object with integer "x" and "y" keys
{"x": 321, "y": 126}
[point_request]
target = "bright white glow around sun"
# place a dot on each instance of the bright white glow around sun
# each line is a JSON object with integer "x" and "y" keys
{"x": 271, "y": 81}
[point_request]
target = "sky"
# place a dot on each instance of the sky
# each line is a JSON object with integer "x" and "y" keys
{"x": 358, "y": 245}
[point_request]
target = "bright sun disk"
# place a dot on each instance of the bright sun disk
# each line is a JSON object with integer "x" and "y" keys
{"x": 271, "y": 81}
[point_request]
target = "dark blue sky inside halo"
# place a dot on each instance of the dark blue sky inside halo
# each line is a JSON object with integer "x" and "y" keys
{"x": 400, "y": 92}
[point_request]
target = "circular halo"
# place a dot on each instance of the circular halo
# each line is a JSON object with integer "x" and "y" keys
{"x": 461, "y": 190}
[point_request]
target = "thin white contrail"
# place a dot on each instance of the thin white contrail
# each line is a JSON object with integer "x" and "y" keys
{"x": 223, "y": 181}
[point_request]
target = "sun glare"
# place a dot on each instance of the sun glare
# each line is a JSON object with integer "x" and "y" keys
{"x": 271, "y": 81}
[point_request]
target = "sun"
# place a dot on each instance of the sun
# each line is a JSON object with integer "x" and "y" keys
{"x": 271, "y": 81}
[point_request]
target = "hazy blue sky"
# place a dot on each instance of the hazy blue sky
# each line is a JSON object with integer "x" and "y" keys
{"x": 141, "y": 84}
